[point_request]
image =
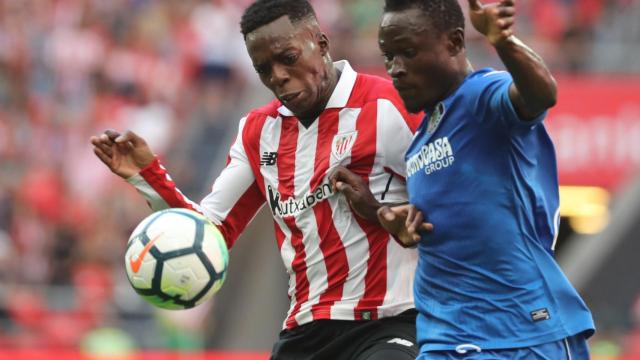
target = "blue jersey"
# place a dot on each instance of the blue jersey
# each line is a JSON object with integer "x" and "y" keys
{"x": 488, "y": 182}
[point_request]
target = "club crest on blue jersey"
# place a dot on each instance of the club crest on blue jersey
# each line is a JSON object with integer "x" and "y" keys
{"x": 436, "y": 118}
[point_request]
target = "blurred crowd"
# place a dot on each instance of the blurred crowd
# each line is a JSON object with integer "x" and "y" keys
{"x": 177, "y": 73}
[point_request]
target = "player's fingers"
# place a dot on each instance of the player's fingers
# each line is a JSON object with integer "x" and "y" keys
{"x": 346, "y": 189}
{"x": 425, "y": 226}
{"x": 506, "y": 33}
{"x": 385, "y": 214}
{"x": 107, "y": 149}
{"x": 99, "y": 141}
{"x": 130, "y": 136}
{"x": 475, "y": 5}
{"x": 506, "y": 11}
{"x": 111, "y": 134}
{"x": 507, "y": 2}
{"x": 415, "y": 222}
{"x": 411, "y": 214}
{"x": 105, "y": 139}
{"x": 505, "y": 23}
{"x": 102, "y": 156}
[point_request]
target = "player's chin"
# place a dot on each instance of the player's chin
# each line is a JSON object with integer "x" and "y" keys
{"x": 412, "y": 105}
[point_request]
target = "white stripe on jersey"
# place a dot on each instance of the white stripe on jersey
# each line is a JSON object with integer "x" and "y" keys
{"x": 403, "y": 262}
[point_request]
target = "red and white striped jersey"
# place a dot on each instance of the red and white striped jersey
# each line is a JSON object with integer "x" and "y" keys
{"x": 340, "y": 265}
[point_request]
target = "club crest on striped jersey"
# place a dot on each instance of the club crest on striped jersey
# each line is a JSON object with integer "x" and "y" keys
{"x": 342, "y": 144}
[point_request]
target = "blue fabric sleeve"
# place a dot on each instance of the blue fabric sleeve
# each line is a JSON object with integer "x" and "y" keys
{"x": 494, "y": 104}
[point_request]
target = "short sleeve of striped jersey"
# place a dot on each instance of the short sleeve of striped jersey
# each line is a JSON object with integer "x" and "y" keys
{"x": 234, "y": 199}
{"x": 396, "y": 128}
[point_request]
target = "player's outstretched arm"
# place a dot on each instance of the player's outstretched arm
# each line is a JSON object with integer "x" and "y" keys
{"x": 124, "y": 154}
{"x": 404, "y": 222}
{"x": 534, "y": 88}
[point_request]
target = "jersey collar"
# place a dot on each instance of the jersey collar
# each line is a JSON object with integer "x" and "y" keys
{"x": 341, "y": 93}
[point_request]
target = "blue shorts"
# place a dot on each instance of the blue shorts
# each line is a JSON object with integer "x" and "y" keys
{"x": 571, "y": 348}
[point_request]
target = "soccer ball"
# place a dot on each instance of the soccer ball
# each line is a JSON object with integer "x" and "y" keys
{"x": 176, "y": 259}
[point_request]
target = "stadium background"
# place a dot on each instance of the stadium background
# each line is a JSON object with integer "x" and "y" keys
{"x": 177, "y": 73}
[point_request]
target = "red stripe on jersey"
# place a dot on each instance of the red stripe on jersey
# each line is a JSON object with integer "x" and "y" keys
{"x": 362, "y": 160}
{"x": 335, "y": 256}
{"x": 156, "y": 175}
{"x": 286, "y": 186}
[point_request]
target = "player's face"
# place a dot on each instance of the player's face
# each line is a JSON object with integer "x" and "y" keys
{"x": 417, "y": 58}
{"x": 291, "y": 61}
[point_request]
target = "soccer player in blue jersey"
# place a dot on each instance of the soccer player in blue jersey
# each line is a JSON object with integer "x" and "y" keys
{"x": 482, "y": 170}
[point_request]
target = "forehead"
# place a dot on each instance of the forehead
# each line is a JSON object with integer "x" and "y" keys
{"x": 405, "y": 24}
{"x": 275, "y": 35}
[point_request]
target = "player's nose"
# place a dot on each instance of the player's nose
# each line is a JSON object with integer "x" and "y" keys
{"x": 279, "y": 75}
{"x": 396, "y": 67}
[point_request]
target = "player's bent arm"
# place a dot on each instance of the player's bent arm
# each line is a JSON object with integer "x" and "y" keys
{"x": 534, "y": 89}
{"x": 234, "y": 200}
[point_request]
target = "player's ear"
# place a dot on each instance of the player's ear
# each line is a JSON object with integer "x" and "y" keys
{"x": 455, "y": 41}
{"x": 323, "y": 41}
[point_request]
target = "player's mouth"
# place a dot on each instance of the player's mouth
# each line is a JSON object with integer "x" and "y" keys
{"x": 403, "y": 90}
{"x": 290, "y": 97}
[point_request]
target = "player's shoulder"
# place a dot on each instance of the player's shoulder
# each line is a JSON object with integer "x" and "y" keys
{"x": 251, "y": 124}
{"x": 484, "y": 78}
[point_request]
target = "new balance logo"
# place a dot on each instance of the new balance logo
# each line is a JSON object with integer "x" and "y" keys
{"x": 399, "y": 341}
{"x": 268, "y": 158}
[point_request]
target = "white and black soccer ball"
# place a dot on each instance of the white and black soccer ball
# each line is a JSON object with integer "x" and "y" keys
{"x": 176, "y": 259}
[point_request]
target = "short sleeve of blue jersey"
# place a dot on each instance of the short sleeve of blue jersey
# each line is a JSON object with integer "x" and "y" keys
{"x": 494, "y": 103}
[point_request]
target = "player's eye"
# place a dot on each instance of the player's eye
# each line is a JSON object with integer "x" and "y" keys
{"x": 409, "y": 53}
{"x": 290, "y": 58}
{"x": 262, "y": 69}
{"x": 387, "y": 57}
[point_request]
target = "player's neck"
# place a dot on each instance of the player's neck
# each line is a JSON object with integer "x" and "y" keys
{"x": 463, "y": 70}
{"x": 332, "y": 81}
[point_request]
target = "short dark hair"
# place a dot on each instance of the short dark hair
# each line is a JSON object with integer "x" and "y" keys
{"x": 444, "y": 15}
{"x": 262, "y": 12}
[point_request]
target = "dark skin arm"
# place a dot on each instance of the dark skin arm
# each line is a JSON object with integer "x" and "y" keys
{"x": 403, "y": 221}
{"x": 534, "y": 89}
{"x": 356, "y": 191}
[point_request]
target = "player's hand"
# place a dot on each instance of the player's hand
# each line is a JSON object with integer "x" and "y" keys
{"x": 124, "y": 154}
{"x": 495, "y": 20}
{"x": 356, "y": 191}
{"x": 405, "y": 222}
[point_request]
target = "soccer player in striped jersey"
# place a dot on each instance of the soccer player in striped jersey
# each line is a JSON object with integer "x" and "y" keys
{"x": 482, "y": 169}
{"x": 350, "y": 281}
